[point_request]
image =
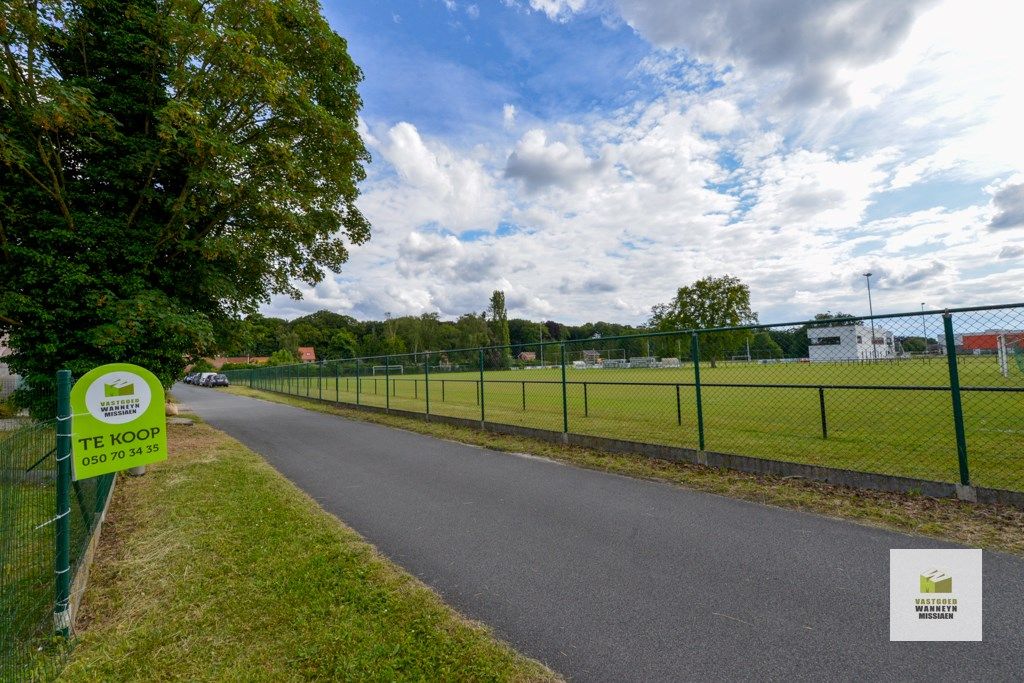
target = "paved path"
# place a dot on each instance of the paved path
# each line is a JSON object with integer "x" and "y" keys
{"x": 607, "y": 578}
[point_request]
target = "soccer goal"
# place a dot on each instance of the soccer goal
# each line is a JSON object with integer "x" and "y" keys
{"x": 388, "y": 369}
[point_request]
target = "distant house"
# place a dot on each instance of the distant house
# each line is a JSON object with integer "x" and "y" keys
{"x": 527, "y": 356}
{"x": 307, "y": 354}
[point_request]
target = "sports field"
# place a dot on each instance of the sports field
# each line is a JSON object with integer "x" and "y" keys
{"x": 891, "y": 417}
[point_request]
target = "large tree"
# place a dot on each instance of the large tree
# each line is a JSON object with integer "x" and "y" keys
{"x": 707, "y": 303}
{"x": 166, "y": 166}
{"x": 501, "y": 357}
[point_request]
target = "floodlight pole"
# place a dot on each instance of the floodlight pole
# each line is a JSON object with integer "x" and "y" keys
{"x": 871, "y": 311}
{"x": 924, "y": 329}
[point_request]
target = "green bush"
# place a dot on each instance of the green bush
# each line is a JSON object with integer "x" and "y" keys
{"x": 7, "y": 409}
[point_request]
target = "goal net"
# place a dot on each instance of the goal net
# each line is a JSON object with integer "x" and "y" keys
{"x": 388, "y": 369}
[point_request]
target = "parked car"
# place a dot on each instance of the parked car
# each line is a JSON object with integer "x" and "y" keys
{"x": 219, "y": 381}
{"x": 204, "y": 378}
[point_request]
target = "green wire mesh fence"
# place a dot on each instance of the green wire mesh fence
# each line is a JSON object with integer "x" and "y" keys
{"x": 43, "y": 541}
{"x": 933, "y": 395}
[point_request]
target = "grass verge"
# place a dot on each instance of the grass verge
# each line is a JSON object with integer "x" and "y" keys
{"x": 994, "y": 527}
{"x": 215, "y": 567}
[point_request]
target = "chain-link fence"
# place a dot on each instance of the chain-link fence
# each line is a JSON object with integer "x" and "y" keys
{"x": 46, "y": 525}
{"x": 930, "y": 395}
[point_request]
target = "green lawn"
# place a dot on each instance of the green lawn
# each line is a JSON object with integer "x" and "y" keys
{"x": 214, "y": 567}
{"x": 891, "y": 431}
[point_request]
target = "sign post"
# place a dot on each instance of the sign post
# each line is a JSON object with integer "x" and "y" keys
{"x": 119, "y": 421}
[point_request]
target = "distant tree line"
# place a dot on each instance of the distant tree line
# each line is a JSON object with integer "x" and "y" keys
{"x": 711, "y": 302}
{"x": 336, "y": 336}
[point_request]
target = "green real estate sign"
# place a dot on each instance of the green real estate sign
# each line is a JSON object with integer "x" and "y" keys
{"x": 118, "y": 420}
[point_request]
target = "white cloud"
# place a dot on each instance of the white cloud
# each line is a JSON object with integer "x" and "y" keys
{"x": 1008, "y": 206}
{"x": 540, "y": 164}
{"x": 508, "y": 116}
{"x": 807, "y": 41}
{"x": 433, "y": 185}
{"x": 604, "y": 215}
{"x": 558, "y": 10}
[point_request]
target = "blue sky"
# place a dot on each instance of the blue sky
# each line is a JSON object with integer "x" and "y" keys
{"x": 588, "y": 157}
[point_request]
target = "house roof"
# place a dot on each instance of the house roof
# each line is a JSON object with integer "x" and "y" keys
{"x": 307, "y": 353}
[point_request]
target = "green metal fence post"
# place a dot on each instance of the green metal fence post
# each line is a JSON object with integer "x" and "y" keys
{"x": 480, "y": 354}
{"x": 824, "y": 419}
{"x": 958, "y": 410}
{"x": 387, "y": 383}
{"x": 679, "y": 408}
{"x": 586, "y": 403}
{"x": 320, "y": 379}
{"x": 426, "y": 385}
{"x": 565, "y": 397}
{"x": 695, "y": 354}
{"x": 337, "y": 382}
{"x": 62, "y": 555}
{"x": 357, "y": 381}
{"x": 524, "y": 396}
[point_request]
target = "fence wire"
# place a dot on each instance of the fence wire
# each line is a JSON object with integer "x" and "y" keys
{"x": 30, "y": 647}
{"x": 935, "y": 395}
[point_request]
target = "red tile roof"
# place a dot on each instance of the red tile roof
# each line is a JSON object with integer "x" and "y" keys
{"x": 307, "y": 354}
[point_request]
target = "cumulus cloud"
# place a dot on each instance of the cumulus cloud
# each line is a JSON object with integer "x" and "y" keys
{"x": 540, "y": 164}
{"x": 558, "y": 10}
{"x": 434, "y": 184}
{"x": 609, "y": 212}
{"x": 1009, "y": 204}
{"x": 809, "y": 41}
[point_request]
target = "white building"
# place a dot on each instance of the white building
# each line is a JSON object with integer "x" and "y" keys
{"x": 849, "y": 342}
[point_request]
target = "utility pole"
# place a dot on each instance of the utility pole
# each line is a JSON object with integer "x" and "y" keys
{"x": 924, "y": 329}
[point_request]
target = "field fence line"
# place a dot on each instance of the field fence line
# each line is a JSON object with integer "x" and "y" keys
{"x": 931, "y": 396}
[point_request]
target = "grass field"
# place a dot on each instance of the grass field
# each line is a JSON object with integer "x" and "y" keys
{"x": 891, "y": 418}
{"x": 214, "y": 567}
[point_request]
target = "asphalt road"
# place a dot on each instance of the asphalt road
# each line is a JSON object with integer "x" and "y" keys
{"x": 607, "y": 578}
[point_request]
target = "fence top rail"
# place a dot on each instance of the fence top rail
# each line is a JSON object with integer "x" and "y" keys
{"x": 727, "y": 385}
{"x": 668, "y": 333}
